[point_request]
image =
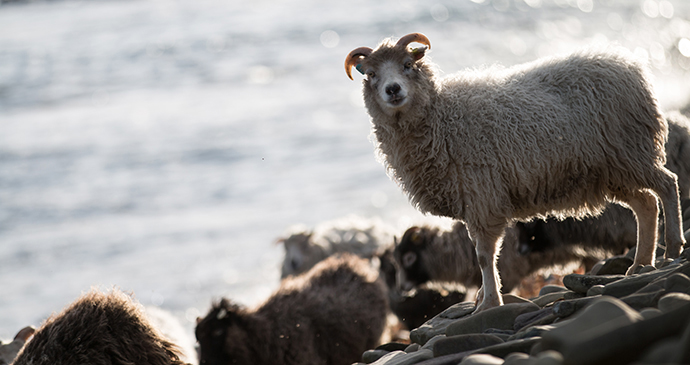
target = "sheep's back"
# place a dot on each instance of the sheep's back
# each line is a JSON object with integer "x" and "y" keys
{"x": 539, "y": 137}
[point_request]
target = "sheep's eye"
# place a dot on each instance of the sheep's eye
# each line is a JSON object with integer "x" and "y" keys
{"x": 371, "y": 74}
{"x": 408, "y": 65}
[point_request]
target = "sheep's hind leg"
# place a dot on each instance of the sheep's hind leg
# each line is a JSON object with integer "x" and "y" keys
{"x": 644, "y": 204}
{"x": 673, "y": 231}
{"x": 487, "y": 244}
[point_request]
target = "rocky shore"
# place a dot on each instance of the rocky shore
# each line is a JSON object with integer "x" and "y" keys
{"x": 603, "y": 317}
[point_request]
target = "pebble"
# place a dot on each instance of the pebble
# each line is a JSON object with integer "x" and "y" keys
{"x": 502, "y": 317}
{"x": 549, "y": 298}
{"x": 370, "y": 356}
{"x": 581, "y": 283}
{"x": 403, "y": 358}
{"x": 677, "y": 283}
{"x": 528, "y": 318}
{"x": 549, "y": 289}
{"x": 437, "y": 325}
{"x": 633, "y": 283}
{"x": 595, "y": 290}
{"x": 481, "y": 359}
{"x": 462, "y": 343}
{"x": 672, "y": 301}
{"x": 617, "y": 265}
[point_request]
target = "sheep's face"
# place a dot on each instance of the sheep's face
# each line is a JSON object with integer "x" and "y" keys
{"x": 221, "y": 337}
{"x": 391, "y": 76}
{"x": 408, "y": 258}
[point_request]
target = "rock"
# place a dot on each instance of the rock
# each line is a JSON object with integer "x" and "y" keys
{"x": 549, "y": 298}
{"x": 648, "y": 313}
{"x": 453, "y": 359}
{"x": 429, "y": 345}
{"x": 437, "y": 325}
{"x": 526, "y": 319}
{"x": 603, "y": 314}
{"x": 617, "y": 265}
{"x": 683, "y": 353}
{"x": 677, "y": 283}
{"x": 639, "y": 301}
{"x": 392, "y": 346}
{"x": 566, "y": 308}
{"x": 572, "y": 295}
{"x": 517, "y": 358}
{"x": 595, "y": 290}
{"x": 549, "y": 289}
{"x": 633, "y": 283}
{"x": 647, "y": 268}
{"x": 370, "y": 356}
{"x": 412, "y": 348}
{"x": 462, "y": 343}
{"x": 503, "y": 349}
{"x": 502, "y": 317}
{"x": 672, "y": 301}
{"x": 403, "y": 358}
{"x": 531, "y": 331}
{"x": 511, "y": 298}
{"x": 482, "y": 359}
{"x": 614, "y": 342}
{"x": 581, "y": 283}
{"x": 662, "y": 352}
{"x": 549, "y": 357}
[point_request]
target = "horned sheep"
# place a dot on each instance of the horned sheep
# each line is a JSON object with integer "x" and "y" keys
{"x": 561, "y": 136}
{"x": 99, "y": 328}
{"x": 329, "y": 315}
{"x": 429, "y": 253}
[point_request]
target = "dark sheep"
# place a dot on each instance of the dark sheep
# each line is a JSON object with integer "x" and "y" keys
{"x": 99, "y": 329}
{"x": 329, "y": 315}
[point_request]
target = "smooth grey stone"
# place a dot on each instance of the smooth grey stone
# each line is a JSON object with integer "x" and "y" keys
{"x": 677, "y": 283}
{"x": 647, "y": 268}
{"x": 503, "y": 349}
{"x": 639, "y": 301}
{"x": 429, "y": 345}
{"x": 371, "y": 356}
{"x": 548, "y": 289}
{"x": 573, "y": 295}
{"x": 412, "y": 348}
{"x": 526, "y": 319}
{"x": 595, "y": 290}
{"x": 518, "y": 358}
{"x": 649, "y": 313}
{"x": 481, "y": 359}
{"x": 661, "y": 263}
{"x": 511, "y": 298}
{"x": 549, "y": 357}
{"x": 531, "y": 331}
{"x": 620, "y": 344}
{"x": 392, "y": 346}
{"x": 662, "y": 352}
{"x": 549, "y": 298}
{"x": 462, "y": 343}
{"x": 683, "y": 355}
{"x": 633, "y": 283}
{"x": 672, "y": 301}
{"x": 566, "y": 308}
{"x": 617, "y": 265}
{"x": 600, "y": 316}
{"x": 595, "y": 269}
{"x": 581, "y": 283}
{"x": 453, "y": 359}
{"x": 502, "y": 317}
{"x": 437, "y": 325}
{"x": 403, "y": 358}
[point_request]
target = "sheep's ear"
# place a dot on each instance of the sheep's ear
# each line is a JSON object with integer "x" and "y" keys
{"x": 418, "y": 53}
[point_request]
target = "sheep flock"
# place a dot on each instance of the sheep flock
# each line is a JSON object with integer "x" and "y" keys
{"x": 559, "y": 164}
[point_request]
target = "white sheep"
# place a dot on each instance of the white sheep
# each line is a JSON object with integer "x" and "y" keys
{"x": 305, "y": 247}
{"x": 560, "y": 136}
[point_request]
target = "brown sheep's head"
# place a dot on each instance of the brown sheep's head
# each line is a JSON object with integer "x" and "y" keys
{"x": 393, "y": 72}
{"x": 221, "y": 336}
{"x": 408, "y": 256}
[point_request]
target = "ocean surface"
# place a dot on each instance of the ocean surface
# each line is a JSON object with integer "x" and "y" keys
{"x": 163, "y": 146}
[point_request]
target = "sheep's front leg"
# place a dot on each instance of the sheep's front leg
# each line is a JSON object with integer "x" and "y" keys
{"x": 487, "y": 245}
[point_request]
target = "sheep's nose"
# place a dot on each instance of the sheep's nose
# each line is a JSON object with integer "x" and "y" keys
{"x": 392, "y": 89}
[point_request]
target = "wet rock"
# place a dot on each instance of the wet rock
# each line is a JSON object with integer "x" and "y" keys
{"x": 549, "y": 289}
{"x": 615, "y": 342}
{"x": 595, "y": 290}
{"x": 528, "y": 318}
{"x": 481, "y": 359}
{"x": 370, "y": 356}
{"x": 617, "y": 265}
{"x": 549, "y": 298}
{"x": 439, "y": 324}
{"x": 403, "y": 358}
{"x": 581, "y": 283}
{"x": 502, "y": 317}
{"x": 672, "y": 301}
{"x": 462, "y": 343}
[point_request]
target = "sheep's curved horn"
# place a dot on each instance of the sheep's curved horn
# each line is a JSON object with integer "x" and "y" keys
{"x": 413, "y": 37}
{"x": 353, "y": 58}
{"x": 25, "y": 333}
